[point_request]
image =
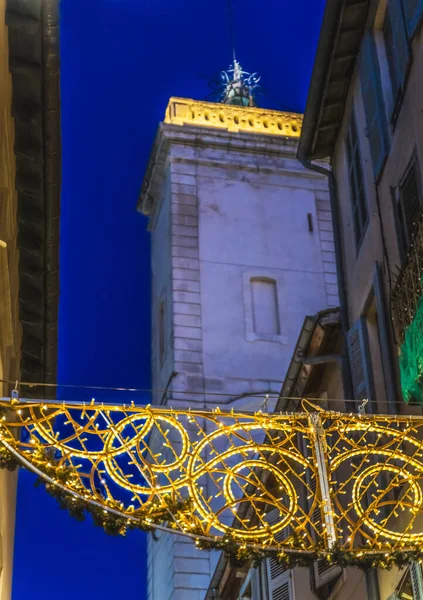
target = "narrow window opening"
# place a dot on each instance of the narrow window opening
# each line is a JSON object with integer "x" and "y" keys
{"x": 355, "y": 174}
{"x": 390, "y": 52}
{"x": 265, "y": 306}
{"x": 409, "y": 204}
{"x": 161, "y": 329}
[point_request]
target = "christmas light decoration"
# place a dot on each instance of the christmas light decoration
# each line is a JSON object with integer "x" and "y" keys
{"x": 344, "y": 487}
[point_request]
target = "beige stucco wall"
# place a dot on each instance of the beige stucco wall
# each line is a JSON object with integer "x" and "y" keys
{"x": 9, "y": 322}
{"x": 406, "y": 138}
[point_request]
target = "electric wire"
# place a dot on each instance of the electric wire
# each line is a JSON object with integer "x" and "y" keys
{"x": 268, "y": 395}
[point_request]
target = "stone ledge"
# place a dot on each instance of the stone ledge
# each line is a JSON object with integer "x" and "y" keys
{"x": 183, "y": 111}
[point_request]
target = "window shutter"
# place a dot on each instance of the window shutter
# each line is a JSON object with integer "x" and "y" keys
{"x": 357, "y": 193}
{"x": 401, "y": 52}
{"x": 274, "y": 567}
{"x": 280, "y": 586}
{"x": 384, "y": 328}
{"x": 358, "y": 350}
{"x": 416, "y": 580}
{"x": 411, "y": 201}
{"x": 373, "y": 103}
{"x": 255, "y": 584}
{"x": 413, "y": 13}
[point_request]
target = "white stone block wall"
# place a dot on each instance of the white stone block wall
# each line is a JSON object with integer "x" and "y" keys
{"x": 225, "y": 208}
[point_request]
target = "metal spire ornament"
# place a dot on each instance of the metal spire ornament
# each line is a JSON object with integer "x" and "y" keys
{"x": 238, "y": 86}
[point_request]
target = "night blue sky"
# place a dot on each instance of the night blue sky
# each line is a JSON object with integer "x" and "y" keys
{"x": 121, "y": 61}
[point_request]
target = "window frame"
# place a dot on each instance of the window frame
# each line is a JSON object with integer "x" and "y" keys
{"x": 403, "y": 236}
{"x": 273, "y": 282}
{"x": 250, "y": 334}
{"x": 372, "y": 96}
{"x": 355, "y": 176}
{"x": 398, "y": 74}
{"x": 161, "y": 342}
{"x": 412, "y": 23}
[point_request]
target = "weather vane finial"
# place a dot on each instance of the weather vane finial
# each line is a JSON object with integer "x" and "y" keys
{"x": 238, "y": 85}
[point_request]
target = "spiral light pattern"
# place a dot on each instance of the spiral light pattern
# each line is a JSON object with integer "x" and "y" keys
{"x": 237, "y": 470}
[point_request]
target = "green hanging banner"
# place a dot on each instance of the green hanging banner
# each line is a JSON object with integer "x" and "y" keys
{"x": 411, "y": 358}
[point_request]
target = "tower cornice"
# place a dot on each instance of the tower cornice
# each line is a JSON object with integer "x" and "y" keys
{"x": 183, "y": 111}
{"x": 244, "y": 130}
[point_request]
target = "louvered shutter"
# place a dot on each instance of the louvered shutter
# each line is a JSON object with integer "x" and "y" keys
{"x": 255, "y": 584}
{"x": 416, "y": 580}
{"x": 413, "y": 13}
{"x": 373, "y": 103}
{"x": 410, "y": 195}
{"x": 359, "y": 354}
{"x": 275, "y": 569}
{"x": 401, "y": 52}
{"x": 280, "y": 586}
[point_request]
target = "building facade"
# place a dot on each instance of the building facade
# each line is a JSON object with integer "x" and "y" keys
{"x": 363, "y": 116}
{"x": 242, "y": 248}
{"x": 370, "y": 126}
{"x": 10, "y": 335}
{"x": 30, "y": 172}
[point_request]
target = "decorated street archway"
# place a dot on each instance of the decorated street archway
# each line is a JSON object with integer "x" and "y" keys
{"x": 298, "y": 487}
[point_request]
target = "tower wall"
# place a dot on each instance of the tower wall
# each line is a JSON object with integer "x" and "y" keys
{"x": 242, "y": 250}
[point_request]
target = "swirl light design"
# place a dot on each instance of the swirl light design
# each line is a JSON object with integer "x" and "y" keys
{"x": 238, "y": 470}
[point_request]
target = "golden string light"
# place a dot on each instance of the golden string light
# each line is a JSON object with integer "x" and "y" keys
{"x": 306, "y": 482}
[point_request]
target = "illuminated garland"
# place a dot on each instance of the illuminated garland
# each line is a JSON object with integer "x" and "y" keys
{"x": 193, "y": 472}
{"x": 78, "y": 508}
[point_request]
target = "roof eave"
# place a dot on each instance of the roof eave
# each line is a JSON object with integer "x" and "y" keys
{"x": 34, "y": 65}
{"x": 341, "y": 18}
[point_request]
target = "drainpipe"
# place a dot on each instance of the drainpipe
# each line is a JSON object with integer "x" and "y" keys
{"x": 342, "y": 290}
{"x": 372, "y": 584}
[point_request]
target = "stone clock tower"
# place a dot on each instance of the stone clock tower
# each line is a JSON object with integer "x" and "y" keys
{"x": 242, "y": 250}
